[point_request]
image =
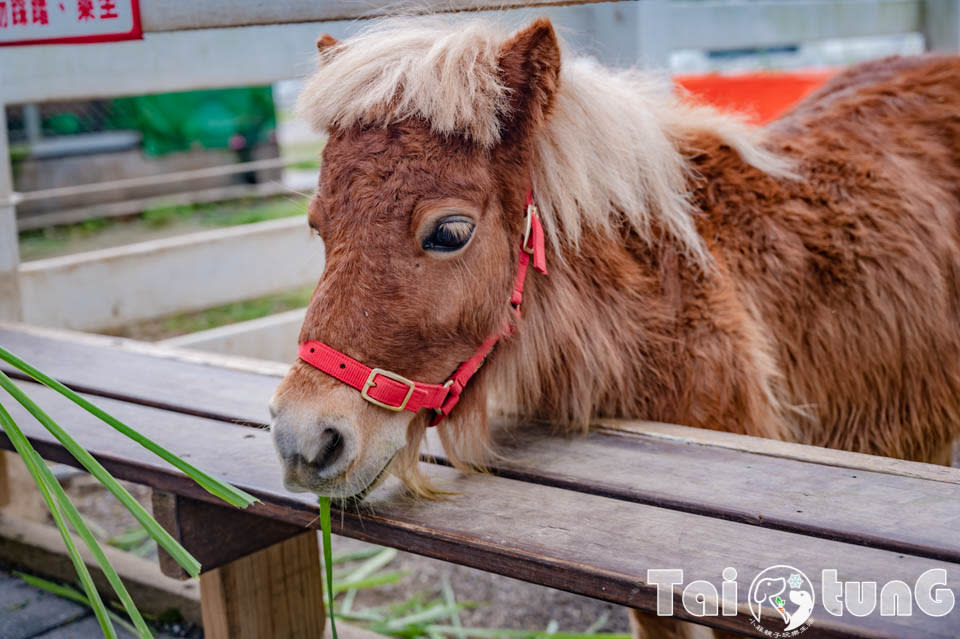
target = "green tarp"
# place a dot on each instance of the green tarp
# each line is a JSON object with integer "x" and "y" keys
{"x": 216, "y": 119}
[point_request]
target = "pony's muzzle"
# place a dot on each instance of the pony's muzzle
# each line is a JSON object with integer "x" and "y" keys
{"x": 313, "y": 452}
{"x": 329, "y": 439}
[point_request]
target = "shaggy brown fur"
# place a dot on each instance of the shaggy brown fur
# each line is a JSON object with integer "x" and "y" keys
{"x": 852, "y": 273}
{"x": 829, "y": 313}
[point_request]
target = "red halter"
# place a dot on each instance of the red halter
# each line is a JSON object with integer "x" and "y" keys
{"x": 394, "y": 392}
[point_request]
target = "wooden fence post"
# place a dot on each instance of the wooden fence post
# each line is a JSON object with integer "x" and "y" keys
{"x": 276, "y": 592}
{"x": 17, "y": 492}
{"x": 261, "y": 577}
{"x": 9, "y": 249}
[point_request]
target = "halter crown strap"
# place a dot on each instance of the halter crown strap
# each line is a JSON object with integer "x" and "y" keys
{"x": 394, "y": 392}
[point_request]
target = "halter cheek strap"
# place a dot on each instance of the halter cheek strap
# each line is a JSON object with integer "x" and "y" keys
{"x": 394, "y": 392}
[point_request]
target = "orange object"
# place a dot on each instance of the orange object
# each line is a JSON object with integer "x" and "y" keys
{"x": 761, "y": 96}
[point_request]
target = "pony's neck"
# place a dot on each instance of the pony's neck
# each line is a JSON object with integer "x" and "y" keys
{"x": 611, "y": 157}
{"x": 632, "y": 326}
{"x": 596, "y": 337}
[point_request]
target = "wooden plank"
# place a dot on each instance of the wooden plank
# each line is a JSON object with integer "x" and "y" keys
{"x": 216, "y": 535}
{"x": 276, "y": 592}
{"x": 851, "y": 498}
{"x": 786, "y": 494}
{"x": 110, "y": 287}
{"x": 273, "y": 337}
{"x": 782, "y": 450}
{"x": 529, "y": 531}
{"x": 145, "y": 374}
{"x": 87, "y": 364}
{"x": 37, "y": 549}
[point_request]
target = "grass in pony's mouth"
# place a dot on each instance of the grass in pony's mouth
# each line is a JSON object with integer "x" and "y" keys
{"x": 328, "y": 559}
{"x": 327, "y": 542}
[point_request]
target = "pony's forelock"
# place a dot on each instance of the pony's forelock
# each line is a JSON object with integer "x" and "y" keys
{"x": 609, "y": 153}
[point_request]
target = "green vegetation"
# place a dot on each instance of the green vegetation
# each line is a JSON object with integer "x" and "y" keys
{"x": 431, "y": 614}
{"x": 159, "y": 221}
{"x": 218, "y": 214}
{"x": 65, "y": 514}
{"x": 181, "y": 324}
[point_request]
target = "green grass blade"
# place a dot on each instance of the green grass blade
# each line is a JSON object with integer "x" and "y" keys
{"x": 450, "y": 599}
{"x": 356, "y": 555}
{"x": 30, "y": 457}
{"x": 328, "y": 559}
{"x": 375, "y": 562}
{"x": 383, "y": 557}
{"x": 598, "y": 623}
{"x": 95, "y": 468}
{"x": 378, "y": 579}
{"x": 72, "y": 594}
{"x": 363, "y": 615}
{"x": 228, "y": 493}
{"x": 433, "y": 613}
{"x": 106, "y": 567}
{"x": 129, "y": 539}
{"x": 77, "y": 522}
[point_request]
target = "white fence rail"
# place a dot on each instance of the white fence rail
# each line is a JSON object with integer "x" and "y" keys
{"x": 266, "y": 53}
{"x": 222, "y": 43}
{"x": 105, "y": 288}
{"x": 269, "y": 338}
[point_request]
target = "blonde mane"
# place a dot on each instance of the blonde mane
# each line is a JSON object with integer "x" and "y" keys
{"x": 609, "y": 153}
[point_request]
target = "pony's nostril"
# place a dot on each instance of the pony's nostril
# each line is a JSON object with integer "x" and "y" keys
{"x": 330, "y": 449}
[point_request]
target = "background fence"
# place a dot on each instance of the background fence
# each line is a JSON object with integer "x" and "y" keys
{"x": 230, "y": 43}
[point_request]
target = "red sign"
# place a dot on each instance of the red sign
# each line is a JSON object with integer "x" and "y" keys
{"x": 68, "y": 21}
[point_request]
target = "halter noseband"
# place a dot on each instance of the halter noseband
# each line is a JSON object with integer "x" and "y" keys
{"x": 394, "y": 392}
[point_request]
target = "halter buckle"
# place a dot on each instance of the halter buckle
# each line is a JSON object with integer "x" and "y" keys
{"x": 364, "y": 392}
{"x": 528, "y": 227}
{"x": 446, "y": 384}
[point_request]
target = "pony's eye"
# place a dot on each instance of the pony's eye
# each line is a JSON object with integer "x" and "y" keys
{"x": 449, "y": 234}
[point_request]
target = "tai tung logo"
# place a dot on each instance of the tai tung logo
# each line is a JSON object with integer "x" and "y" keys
{"x": 787, "y": 591}
{"x": 783, "y": 601}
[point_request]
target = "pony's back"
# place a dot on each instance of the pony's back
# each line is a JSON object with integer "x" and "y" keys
{"x": 854, "y": 269}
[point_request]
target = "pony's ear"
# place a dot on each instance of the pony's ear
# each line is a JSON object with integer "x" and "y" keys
{"x": 325, "y": 43}
{"x": 530, "y": 68}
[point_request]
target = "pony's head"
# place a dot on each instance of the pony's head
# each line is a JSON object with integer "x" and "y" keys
{"x": 420, "y": 205}
{"x": 437, "y": 131}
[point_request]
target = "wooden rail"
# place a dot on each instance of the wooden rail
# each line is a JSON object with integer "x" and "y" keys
{"x": 589, "y": 515}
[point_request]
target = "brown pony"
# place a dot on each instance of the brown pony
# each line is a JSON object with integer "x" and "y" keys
{"x": 799, "y": 282}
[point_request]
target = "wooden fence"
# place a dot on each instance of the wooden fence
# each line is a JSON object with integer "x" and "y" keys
{"x": 224, "y": 43}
